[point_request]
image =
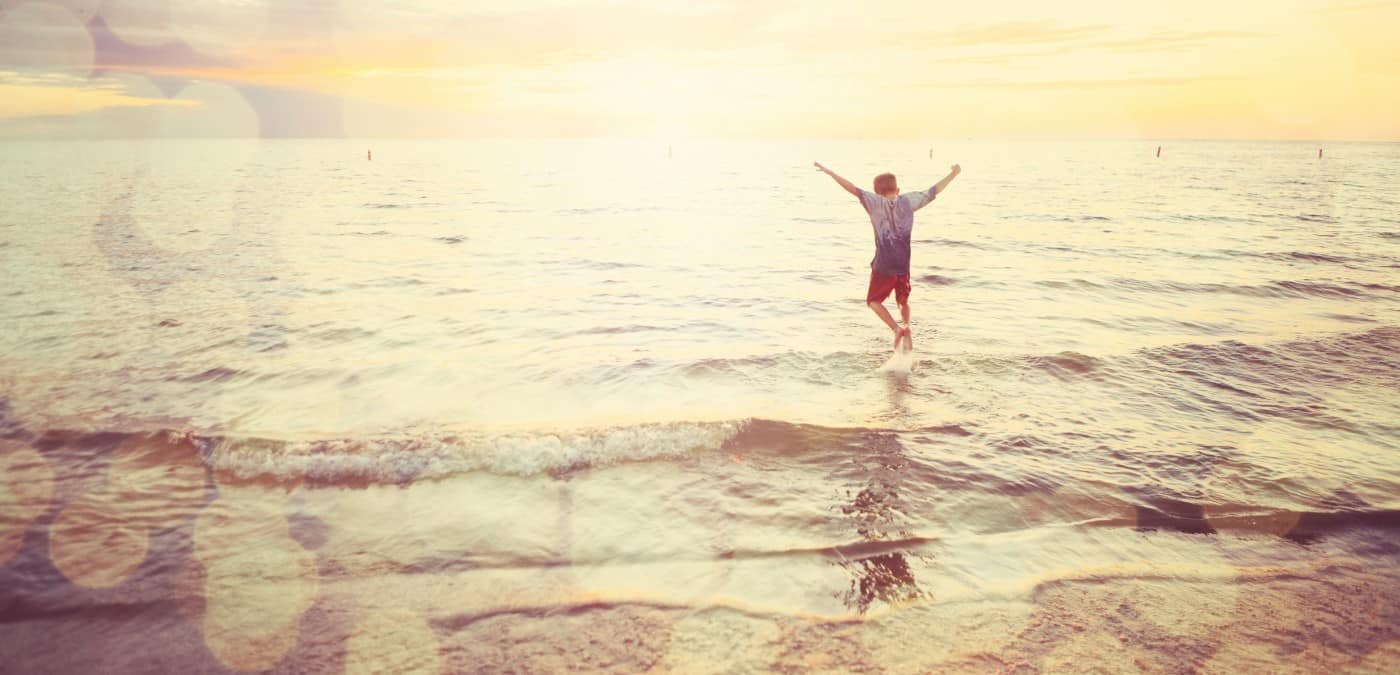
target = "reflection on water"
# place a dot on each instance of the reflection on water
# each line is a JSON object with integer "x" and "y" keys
{"x": 875, "y": 513}
{"x": 885, "y": 577}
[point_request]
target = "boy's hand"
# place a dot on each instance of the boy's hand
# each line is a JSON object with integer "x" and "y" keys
{"x": 957, "y": 169}
{"x": 820, "y": 167}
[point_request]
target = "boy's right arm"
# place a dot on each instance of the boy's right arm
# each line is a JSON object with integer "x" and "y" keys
{"x": 847, "y": 185}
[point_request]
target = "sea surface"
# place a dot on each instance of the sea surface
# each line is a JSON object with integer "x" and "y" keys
{"x": 526, "y": 406}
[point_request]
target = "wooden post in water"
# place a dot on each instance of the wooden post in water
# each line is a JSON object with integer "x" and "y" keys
{"x": 1159, "y": 151}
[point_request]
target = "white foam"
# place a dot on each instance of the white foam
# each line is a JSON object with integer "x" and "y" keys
{"x": 389, "y": 460}
{"x": 901, "y": 362}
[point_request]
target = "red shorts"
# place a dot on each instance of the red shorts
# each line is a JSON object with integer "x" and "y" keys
{"x": 881, "y": 285}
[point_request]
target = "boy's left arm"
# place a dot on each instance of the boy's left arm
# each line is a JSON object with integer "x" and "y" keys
{"x": 942, "y": 185}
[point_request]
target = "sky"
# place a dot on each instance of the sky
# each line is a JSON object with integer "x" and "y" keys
{"x": 1242, "y": 69}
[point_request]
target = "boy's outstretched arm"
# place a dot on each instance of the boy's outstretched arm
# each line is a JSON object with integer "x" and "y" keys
{"x": 847, "y": 185}
{"x": 942, "y": 185}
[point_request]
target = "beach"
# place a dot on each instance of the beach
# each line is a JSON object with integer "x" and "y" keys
{"x": 535, "y": 406}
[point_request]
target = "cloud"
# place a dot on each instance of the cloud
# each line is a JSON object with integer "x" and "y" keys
{"x": 127, "y": 106}
{"x": 1160, "y": 41}
{"x": 55, "y": 95}
{"x": 42, "y": 78}
{"x": 1359, "y": 7}
{"x": 1173, "y": 40}
{"x": 1119, "y": 83}
{"x": 1018, "y": 33}
{"x": 57, "y": 85}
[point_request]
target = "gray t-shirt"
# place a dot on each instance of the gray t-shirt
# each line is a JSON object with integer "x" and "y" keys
{"x": 893, "y": 221}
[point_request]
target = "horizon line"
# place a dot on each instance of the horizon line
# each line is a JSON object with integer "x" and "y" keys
{"x": 705, "y": 139}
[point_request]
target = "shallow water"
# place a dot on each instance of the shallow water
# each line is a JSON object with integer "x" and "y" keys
{"x": 536, "y": 405}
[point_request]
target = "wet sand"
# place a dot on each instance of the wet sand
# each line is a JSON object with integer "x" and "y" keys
{"x": 135, "y": 574}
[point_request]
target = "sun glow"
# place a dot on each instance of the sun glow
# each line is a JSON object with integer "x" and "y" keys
{"x": 1294, "y": 69}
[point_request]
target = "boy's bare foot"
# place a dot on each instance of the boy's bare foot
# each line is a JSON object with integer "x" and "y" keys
{"x": 908, "y": 340}
{"x": 899, "y": 335}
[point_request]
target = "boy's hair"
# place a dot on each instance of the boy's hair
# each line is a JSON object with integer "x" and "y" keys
{"x": 883, "y": 183}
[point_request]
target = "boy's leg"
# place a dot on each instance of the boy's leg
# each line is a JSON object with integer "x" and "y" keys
{"x": 908, "y": 334}
{"x": 880, "y": 287}
{"x": 884, "y": 315}
{"x": 901, "y": 296}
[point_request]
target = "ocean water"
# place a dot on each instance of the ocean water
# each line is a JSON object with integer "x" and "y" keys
{"x": 522, "y": 406}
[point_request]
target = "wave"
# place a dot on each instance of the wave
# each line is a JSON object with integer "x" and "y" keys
{"x": 341, "y": 334}
{"x": 1275, "y": 289}
{"x": 388, "y": 282}
{"x": 1347, "y": 318}
{"x": 1211, "y": 218}
{"x": 1154, "y": 491}
{"x": 1276, "y": 256}
{"x": 1286, "y": 289}
{"x": 1320, "y": 360}
{"x": 829, "y": 367}
{"x": 953, "y": 242}
{"x": 1318, "y": 257}
{"x": 928, "y": 473}
{"x": 399, "y": 459}
{"x": 1302, "y": 526}
{"x": 619, "y": 330}
{"x": 1072, "y": 284}
{"x": 216, "y": 374}
{"x": 1365, "y": 352}
{"x": 1066, "y": 364}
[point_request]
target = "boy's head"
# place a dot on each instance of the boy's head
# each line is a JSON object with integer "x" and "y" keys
{"x": 885, "y": 185}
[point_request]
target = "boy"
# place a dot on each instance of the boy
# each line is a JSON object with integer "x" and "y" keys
{"x": 892, "y": 216}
